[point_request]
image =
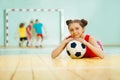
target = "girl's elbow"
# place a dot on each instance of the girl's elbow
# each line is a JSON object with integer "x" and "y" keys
{"x": 53, "y": 56}
{"x": 102, "y": 56}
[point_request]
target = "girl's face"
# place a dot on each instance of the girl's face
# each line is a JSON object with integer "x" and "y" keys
{"x": 76, "y": 30}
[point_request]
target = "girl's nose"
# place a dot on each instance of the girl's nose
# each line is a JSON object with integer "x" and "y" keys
{"x": 74, "y": 31}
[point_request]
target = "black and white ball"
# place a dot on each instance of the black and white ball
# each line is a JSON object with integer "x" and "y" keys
{"x": 75, "y": 49}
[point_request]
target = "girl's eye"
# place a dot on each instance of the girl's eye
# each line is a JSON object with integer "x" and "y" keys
{"x": 77, "y": 28}
{"x": 71, "y": 29}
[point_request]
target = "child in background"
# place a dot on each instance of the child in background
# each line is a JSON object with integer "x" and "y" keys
{"x": 22, "y": 35}
{"x": 39, "y": 33}
{"x": 76, "y": 29}
{"x": 29, "y": 33}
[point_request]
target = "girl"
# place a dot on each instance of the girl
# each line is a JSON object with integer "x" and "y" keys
{"x": 77, "y": 29}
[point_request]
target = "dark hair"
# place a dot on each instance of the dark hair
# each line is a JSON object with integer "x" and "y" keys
{"x": 31, "y": 21}
{"x": 21, "y": 25}
{"x": 82, "y": 22}
{"x": 36, "y": 20}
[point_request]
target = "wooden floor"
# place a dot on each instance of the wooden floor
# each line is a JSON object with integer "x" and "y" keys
{"x": 42, "y": 67}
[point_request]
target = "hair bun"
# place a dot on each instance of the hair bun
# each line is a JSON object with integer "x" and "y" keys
{"x": 68, "y": 22}
{"x": 84, "y": 22}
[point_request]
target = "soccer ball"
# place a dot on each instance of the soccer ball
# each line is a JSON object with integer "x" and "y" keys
{"x": 75, "y": 49}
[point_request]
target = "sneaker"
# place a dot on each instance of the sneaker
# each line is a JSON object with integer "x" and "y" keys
{"x": 36, "y": 46}
{"x": 41, "y": 46}
{"x": 19, "y": 44}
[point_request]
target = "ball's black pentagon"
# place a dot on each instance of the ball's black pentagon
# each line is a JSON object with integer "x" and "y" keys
{"x": 68, "y": 52}
{"x": 83, "y": 46}
{"x": 73, "y": 45}
{"x": 77, "y": 54}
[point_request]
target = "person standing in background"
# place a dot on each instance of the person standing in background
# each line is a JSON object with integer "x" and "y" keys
{"x": 39, "y": 33}
{"x": 22, "y": 34}
{"x": 29, "y": 33}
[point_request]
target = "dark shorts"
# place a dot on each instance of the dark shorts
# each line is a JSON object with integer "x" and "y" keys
{"x": 23, "y": 38}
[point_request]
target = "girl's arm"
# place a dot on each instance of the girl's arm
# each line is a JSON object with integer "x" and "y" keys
{"x": 92, "y": 44}
{"x": 56, "y": 52}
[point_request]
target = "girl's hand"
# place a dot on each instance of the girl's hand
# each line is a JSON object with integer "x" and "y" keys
{"x": 80, "y": 40}
{"x": 66, "y": 40}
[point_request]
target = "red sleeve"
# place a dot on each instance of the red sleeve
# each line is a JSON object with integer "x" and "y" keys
{"x": 88, "y": 53}
{"x": 87, "y": 37}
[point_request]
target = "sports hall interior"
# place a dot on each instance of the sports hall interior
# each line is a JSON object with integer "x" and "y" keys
{"x": 31, "y": 63}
